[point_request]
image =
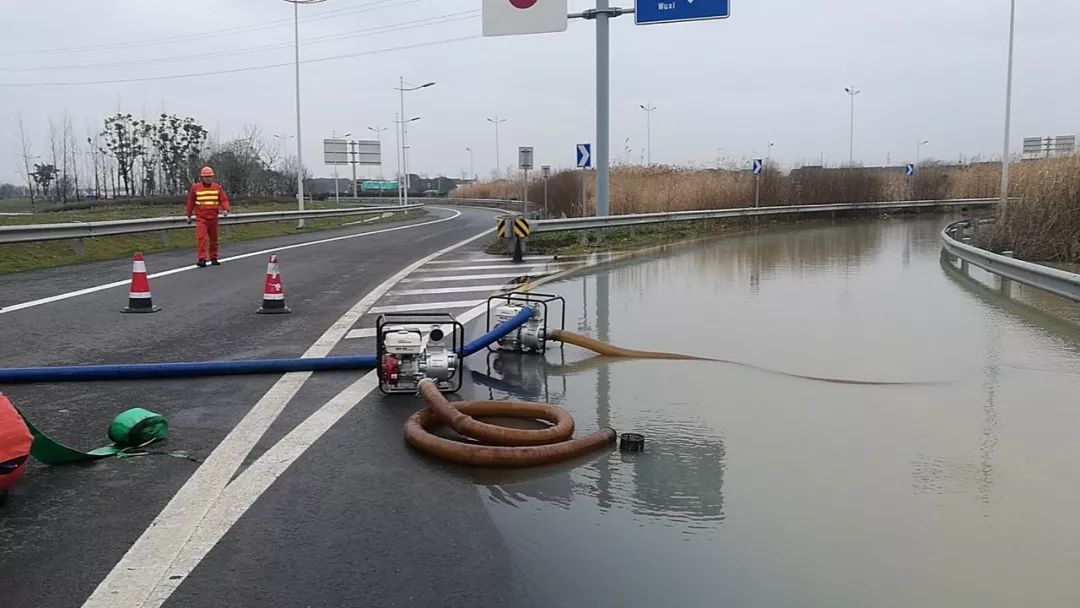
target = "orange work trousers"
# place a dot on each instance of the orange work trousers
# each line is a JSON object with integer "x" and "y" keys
{"x": 206, "y": 237}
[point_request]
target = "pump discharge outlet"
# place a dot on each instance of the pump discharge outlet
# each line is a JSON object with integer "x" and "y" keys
{"x": 410, "y": 347}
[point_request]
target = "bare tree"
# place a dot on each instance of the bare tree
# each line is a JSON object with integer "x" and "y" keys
{"x": 55, "y": 160}
{"x": 72, "y": 146}
{"x": 25, "y": 153}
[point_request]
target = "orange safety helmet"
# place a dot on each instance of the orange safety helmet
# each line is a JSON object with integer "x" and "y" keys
{"x": 206, "y": 172}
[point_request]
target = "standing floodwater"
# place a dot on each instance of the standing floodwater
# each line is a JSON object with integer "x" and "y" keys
{"x": 759, "y": 489}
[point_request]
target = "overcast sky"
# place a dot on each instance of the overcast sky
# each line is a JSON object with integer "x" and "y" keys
{"x": 775, "y": 71}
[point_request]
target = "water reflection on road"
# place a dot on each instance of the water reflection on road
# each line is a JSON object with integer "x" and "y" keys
{"x": 763, "y": 490}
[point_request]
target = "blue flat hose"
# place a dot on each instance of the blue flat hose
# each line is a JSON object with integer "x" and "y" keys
{"x": 147, "y": 371}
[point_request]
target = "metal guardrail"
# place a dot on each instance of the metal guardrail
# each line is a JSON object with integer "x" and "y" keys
{"x": 82, "y": 230}
{"x": 613, "y": 221}
{"x": 1053, "y": 280}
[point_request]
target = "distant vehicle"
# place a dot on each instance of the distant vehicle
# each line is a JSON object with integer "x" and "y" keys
{"x": 431, "y": 193}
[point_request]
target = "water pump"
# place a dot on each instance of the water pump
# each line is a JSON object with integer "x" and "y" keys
{"x": 533, "y": 335}
{"x": 412, "y": 346}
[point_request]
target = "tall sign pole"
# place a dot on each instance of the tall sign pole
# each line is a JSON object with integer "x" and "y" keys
{"x": 603, "y": 105}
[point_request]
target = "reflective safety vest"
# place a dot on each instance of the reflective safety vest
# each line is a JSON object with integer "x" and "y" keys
{"x": 206, "y": 199}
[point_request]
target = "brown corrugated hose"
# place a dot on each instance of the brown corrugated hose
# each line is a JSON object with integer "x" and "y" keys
{"x": 507, "y": 447}
{"x": 610, "y": 350}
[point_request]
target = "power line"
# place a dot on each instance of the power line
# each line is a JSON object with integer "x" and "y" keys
{"x": 247, "y": 69}
{"x": 364, "y": 8}
{"x": 382, "y": 29}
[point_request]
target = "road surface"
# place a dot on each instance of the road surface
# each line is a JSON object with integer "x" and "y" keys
{"x": 64, "y": 529}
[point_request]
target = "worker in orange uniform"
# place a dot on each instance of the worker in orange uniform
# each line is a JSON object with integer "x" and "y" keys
{"x": 206, "y": 200}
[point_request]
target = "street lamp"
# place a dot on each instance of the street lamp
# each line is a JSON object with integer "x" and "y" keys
{"x": 299, "y": 154}
{"x": 1008, "y": 110}
{"x": 918, "y": 148}
{"x": 402, "y": 89}
{"x": 648, "y": 129}
{"x": 378, "y": 131}
{"x": 497, "y": 121}
{"x": 401, "y": 157}
{"x": 471, "y": 166}
{"x": 337, "y": 195}
{"x": 852, "y": 92}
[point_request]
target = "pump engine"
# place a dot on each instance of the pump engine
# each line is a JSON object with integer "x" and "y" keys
{"x": 412, "y": 346}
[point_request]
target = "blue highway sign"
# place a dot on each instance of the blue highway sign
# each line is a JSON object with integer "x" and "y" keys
{"x": 670, "y": 11}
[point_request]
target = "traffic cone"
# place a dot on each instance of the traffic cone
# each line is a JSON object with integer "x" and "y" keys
{"x": 139, "y": 299}
{"x": 273, "y": 292}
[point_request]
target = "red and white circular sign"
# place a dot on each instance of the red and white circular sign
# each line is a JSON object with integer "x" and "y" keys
{"x": 523, "y": 3}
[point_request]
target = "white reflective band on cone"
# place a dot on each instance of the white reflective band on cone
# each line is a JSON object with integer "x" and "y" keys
{"x": 139, "y": 267}
{"x": 139, "y": 295}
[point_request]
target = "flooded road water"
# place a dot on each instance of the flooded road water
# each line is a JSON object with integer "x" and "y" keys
{"x": 760, "y": 489}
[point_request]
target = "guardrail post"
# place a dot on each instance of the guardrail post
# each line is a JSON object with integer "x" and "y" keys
{"x": 964, "y": 263}
{"x": 166, "y": 240}
{"x": 1006, "y": 284}
{"x": 80, "y": 248}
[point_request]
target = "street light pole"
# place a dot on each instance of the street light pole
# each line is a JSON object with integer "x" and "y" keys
{"x": 648, "y": 129}
{"x": 378, "y": 134}
{"x": 918, "y": 149}
{"x": 1008, "y": 110}
{"x": 852, "y": 92}
{"x": 405, "y": 131}
{"x": 472, "y": 167}
{"x": 397, "y": 152}
{"x": 498, "y": 162}
{"x": 403, "y": 168}
{"x": 299, "y": 146}
{"x": 337, "y": 193}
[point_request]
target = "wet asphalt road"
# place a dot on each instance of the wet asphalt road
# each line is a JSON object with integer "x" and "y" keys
{"x": 357, "y": 520}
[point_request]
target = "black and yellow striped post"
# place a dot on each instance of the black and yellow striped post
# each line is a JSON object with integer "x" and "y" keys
{"x": 521, "y": 232}
{"x": 500, "y": 228}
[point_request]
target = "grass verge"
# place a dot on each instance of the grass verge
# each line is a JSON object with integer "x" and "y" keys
{"x": 130, "y": 212}
{"x": 621, "y": 239}
{"x": 49, "y": 254}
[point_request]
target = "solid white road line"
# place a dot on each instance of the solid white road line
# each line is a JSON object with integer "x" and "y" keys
{"x": 254, "y": 481}
{"x": 363, "y": 332}
{"x": 492, "y": 258}
{"x": 189, "y": 267}
{"x": 423, "y": 306}
{"x": 435, "y": 290}
{"x": 494, "y": 267}
{"x": 467, "y": 277}
{"x": 135, "y": 576}
{"x": 257, "y": 478}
